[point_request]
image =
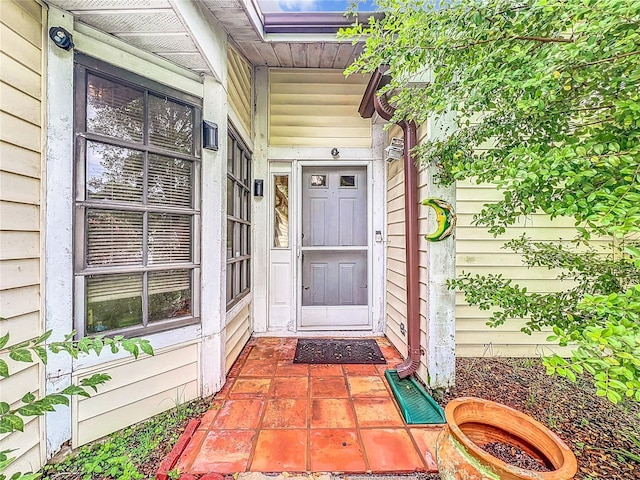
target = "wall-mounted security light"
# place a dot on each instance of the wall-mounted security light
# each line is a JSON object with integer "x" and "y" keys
{"x": 61, "y": 38}
{"x": 209, "y": 135}
{"x": 258, "y": 188}
{"x": 395, "y": 150}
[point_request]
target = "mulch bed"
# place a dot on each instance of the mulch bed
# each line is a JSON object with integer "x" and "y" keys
{"x": 596, "y": 430}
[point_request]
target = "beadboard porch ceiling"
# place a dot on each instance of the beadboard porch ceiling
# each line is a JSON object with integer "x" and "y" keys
{"x": 156, "y": 26}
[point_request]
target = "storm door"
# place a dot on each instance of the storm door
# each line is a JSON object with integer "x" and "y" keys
{"x": 334, "y": 249}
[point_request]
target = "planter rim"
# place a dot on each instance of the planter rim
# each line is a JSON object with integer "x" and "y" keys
{"x": 566, "y": 471}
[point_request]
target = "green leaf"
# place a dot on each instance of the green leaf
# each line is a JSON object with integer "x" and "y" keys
{"x": 146, "y": 347}
{"x": 4, "y": 369}
{"x": 4, "y": 408}
{"x": 28, "y": 397}
{"x": 4, "y": 340}
{"x": 42, "y": 354}
{"x": 21, "y": 355}
{"x": 11, "y": 423}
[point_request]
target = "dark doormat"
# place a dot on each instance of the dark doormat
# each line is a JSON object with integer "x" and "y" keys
{"x": 347, "y": 351}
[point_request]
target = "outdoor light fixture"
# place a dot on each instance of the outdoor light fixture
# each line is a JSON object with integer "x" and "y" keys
{"x": 258, "y": 188}
{"x": 61, "y": 38}
{"x": 395, "y": 150}
{"x": 209, "y": 135}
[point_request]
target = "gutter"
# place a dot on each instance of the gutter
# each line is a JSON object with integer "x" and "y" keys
{"x": 371, "y": 103}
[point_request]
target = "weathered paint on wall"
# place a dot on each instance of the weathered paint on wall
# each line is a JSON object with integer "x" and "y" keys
{"x": 316, "y": 108}
{"x": 21, "y": 111}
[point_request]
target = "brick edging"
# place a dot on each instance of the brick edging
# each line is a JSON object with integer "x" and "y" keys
{"x": 170, "y": 460}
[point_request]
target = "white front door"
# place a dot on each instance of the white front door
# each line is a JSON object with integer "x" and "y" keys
{"x": 334, "y": 260}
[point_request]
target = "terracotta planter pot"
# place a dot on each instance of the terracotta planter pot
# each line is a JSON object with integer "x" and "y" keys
{"x": 472, "y": 422}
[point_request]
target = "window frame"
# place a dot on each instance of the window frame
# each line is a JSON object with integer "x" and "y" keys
{"x": 83, "y": 66}
{"x": 235, "y": 263}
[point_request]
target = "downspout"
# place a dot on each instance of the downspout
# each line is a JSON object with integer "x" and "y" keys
{"x": 410, "y": 364}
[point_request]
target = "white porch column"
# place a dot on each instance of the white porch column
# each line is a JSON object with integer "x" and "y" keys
{"x": 441, "y": 266}
{"x": 58, "y": 226}
{"x": 260, "y": 215}
{"x": 213, "y": 250}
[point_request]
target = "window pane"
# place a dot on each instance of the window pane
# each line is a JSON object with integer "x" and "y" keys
{"x": 170, "y": 181}
{"x": 347, "y": 180}
{"x": 114, "y": 173}
{"x": 170, "y": 124}
{"x": 113, "y": 301}
{"x": 281, "y": 211}
{"x": 230, "y": 268}
{"x": 246, "y": 204}
{"x": 230, "y": 150}
{"x": 114, "y": 238}
{"x": 114, "y": 109}
{"x": 169, "y": 238}
{"x": 230, "y": 196}
{"x": 318, "y": 180}
{"x": 247, "y": 170}
{"x": 169, "y": 294}
{"x": 230, "y": 239}
{"x": 237, "y": 162}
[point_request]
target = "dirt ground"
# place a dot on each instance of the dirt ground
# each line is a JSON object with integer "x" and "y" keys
{"x": 598, "y": 432}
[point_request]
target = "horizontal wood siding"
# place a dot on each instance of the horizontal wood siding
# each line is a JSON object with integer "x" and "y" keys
{"x": 138, "y": 389}
{"x": 316, "y": 108}
{"x": 21, "y": 86}
{"x": 239, "y": 87}
{"x": 238, "y": 332}
{"x": 396, "y": 296}
{"x": 478, "y": 252}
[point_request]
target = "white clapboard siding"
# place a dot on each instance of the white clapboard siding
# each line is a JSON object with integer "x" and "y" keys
{"x": 316, "y": 108}
{"x": 239, "y": 86}
{"x": 138, "y": 389}
{"x": 21, "y": 85}
{"x": 238, "y": 331}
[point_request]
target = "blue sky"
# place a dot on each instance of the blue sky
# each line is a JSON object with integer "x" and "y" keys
{"x": 313, "y": 5}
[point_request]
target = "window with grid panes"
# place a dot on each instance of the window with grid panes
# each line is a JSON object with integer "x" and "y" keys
{"x": 238, "y": 219}
{"x": 137, "y": 261}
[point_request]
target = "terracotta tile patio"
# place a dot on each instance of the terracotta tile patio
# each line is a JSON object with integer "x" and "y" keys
{"x": 276, "y": 416}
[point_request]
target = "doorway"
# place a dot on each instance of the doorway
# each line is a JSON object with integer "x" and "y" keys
{"x": 334, "y": 261}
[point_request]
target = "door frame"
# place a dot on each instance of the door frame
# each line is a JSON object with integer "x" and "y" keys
{"x": 296, "y": 243}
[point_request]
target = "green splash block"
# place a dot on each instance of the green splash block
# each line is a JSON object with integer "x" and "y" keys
{"x": 416, "y": 404}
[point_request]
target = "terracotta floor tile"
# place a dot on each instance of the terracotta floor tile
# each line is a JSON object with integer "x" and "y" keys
{"x": 377, "y": 412}
{"x": 258, "y": 368}
{"x": 235, "y": 369}
{"x": 280, "y": 451}
{"x": 224, "y": 451}
{"x": 268, "y": 341}
{"x": 425, "y": 438}
{"x": 263, "y": 353}
{"x": 192, "y": 451}
{"x": 285, "y": 413}
{"x": 331, "y": 413}
{"x": 292, "y": 370}
{"x": 360, "y": 370}
{"x": 250, "y": 387}
{"x": 391, "y": 450}
{"x": 239, "y": 413}
{"x": 290, "y": 387}
{"x": 367, "y": 386}
{"x": 286, "y": 354}
{"x": 382, "y": 369}
{"x": 210, "y": 415}
{"x": 325, "y": 370}
{"x": 383, "y": 342}
{"x": 226, "y": 388}
{"x": 335, "y": 450}
{"x": 391, "y": 353}
{"x": 329, "y": 387}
